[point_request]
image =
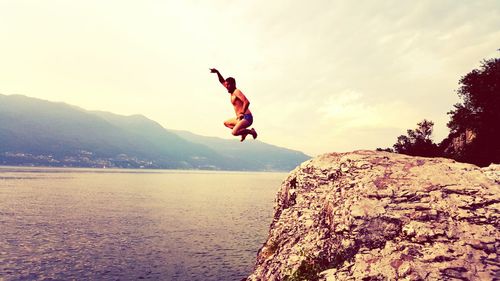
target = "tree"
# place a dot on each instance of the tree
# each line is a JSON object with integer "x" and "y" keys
{"x": 418, "y": 142}
{"x": 478, "y": 113}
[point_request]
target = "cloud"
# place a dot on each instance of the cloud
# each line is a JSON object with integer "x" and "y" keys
{"x": 349, "y": 111}
{"x": 321, "y": 76}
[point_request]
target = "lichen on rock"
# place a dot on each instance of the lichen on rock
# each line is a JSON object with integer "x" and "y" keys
{"x": 371, "y": 215}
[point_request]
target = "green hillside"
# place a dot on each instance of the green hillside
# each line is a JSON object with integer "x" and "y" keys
{"x": 38, "y": 132}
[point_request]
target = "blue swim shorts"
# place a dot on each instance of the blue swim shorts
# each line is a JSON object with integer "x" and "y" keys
{"x": 249, "y": 118}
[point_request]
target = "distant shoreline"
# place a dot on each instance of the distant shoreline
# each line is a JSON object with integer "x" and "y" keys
{"x": 56, "y": 169}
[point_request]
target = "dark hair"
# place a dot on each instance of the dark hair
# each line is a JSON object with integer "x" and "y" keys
{"x": 231, "y": 80}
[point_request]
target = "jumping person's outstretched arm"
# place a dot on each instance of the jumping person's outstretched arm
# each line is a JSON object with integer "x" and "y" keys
{"x": 221, "y": 79}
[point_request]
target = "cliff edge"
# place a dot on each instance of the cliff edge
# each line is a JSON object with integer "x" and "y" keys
{"x": 371, "y": 215}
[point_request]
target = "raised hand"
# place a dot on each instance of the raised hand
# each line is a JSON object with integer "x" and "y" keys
{"x": 213, "y": 70}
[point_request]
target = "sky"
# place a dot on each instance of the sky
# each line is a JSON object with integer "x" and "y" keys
{"x": 321, "y": 76}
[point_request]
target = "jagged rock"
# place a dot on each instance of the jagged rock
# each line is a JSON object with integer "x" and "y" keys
{"x": 380, "y": 216}
{"x": 455, "y": 143}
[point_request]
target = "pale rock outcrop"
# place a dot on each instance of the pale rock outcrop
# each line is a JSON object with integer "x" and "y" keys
{"x": 381, "y": 216}
{"x": 456, "y": 142}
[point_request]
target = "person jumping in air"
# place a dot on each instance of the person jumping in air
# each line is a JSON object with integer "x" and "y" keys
{"x": 244, "y": 118}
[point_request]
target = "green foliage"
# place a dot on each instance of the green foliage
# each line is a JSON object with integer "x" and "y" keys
{"x": 480, "y": 112}
{"x": 474, "y": 123}
{"x": 311, "y": 267}
{"x": 418, "y": 142}
{"x": 308, "y": 270}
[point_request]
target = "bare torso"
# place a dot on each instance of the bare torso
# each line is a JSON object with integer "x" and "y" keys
{"x": 238, "y": 103}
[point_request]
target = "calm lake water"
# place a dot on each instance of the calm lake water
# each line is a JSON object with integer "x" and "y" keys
{"x": 86, "y": 224}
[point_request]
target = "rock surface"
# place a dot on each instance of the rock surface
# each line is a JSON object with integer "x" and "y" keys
{"x": 371, "y": 215}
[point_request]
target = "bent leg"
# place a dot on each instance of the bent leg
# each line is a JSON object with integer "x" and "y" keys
{"x": 241, "y": 129}
{"x": 230, "y": 123}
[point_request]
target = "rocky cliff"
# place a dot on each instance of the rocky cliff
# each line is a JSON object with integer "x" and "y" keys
{"x": 381, "y": 216}
{"x": 457, "y": 143}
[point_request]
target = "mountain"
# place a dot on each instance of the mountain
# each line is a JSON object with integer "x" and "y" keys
{"x": 265, "y": 155}
{"x": 39, "y": 132}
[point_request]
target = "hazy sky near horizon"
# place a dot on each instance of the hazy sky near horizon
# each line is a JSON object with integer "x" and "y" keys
{"x": 321, "y": 76}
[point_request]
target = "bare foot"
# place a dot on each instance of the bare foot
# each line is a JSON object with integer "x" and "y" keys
{"x": 243, "y": 137}
{"x": 254, "y": 133}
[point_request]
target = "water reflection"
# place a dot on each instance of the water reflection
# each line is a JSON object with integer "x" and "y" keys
{"x": 130, "y": 225}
